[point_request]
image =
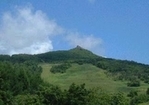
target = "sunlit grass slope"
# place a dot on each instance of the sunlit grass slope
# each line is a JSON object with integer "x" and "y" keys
{"x": 88, "y": 74}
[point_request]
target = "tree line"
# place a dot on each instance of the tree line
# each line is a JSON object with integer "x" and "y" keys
{"x": 21, "y": 84}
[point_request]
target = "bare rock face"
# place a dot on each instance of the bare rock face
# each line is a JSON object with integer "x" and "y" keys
{"x": 79, "y": 47}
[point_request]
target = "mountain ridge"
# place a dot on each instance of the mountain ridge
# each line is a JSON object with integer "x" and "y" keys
{"x": 77, "y": 53}
{"x": 72, "y": 54}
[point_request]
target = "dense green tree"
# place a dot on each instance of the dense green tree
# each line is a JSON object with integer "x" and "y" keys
{"x": 5, "y": 98}
{"x": 50, "y": 95}
{"x": 27, "y": 99}
{"x": 133, "y": 83}
{"x": 132, "y": 94}
{"x": 60, "y": 68}
{"x": 142, "y": 98}
{"x": 118, "y": 99}
{"x": 147, "y": 91}
{"x": 98, "y": 97}
{"x": 18, "y": 78}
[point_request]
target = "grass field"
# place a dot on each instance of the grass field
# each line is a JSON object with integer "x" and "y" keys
{"x": 90, "y": 75}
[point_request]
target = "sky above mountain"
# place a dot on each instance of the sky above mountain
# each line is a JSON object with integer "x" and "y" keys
{"x": 112, "y": 28}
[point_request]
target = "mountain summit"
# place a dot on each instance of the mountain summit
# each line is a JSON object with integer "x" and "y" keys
{"x": 72, "y": 54}
{"x": 81, "y": 52}
{"x": 79, "y": 47}
{"x": 77, "y": 53}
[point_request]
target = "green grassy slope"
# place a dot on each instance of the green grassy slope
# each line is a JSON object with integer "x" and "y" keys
{"x": 90, "y": 75}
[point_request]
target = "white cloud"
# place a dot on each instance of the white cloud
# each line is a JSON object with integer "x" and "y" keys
{"x": 26, "y": 31}
{"x": 34, "y": 49}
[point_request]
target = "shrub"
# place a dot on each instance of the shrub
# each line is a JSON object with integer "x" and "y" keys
{"x": 133, "y": 83}
{"x": 60, "y": 68}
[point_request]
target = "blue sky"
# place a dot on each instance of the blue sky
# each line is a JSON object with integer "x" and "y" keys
{"x": 112, "y": 28}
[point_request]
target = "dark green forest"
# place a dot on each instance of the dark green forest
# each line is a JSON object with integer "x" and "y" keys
{"x": 21, "y": 83}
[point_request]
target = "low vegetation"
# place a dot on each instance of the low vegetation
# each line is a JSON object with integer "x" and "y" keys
{"x": 73, "y": 77}
{"x": 60, "y": 68}
{"x": 21, "y": 85}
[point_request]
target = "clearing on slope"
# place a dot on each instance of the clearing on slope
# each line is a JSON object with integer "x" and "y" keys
{"x": 90, "y": 75}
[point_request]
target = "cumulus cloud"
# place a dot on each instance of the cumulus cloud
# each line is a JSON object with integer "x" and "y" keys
{"x": 26, "y": 31}
{"x": 86, "y": 41}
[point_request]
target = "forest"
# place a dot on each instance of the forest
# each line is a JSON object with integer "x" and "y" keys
{"x": 21, "y": 82}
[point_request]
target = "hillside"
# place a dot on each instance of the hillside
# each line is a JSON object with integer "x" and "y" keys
{"x": 89, "y": 74}
{"x": 74, "y": 54}
{"x": 77, "y": 53}
{"x": 119, "y": 69}
{"x": 43, "y": 77}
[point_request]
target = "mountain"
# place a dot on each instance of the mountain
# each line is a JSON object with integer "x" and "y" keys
{"x": 82, "y": 53}
{"x": 119, "y": 69}
{"x": 21, "y": 74}
{"x": 77, "y": 53}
